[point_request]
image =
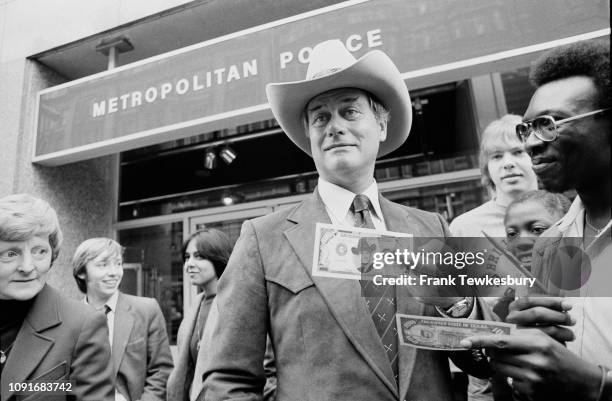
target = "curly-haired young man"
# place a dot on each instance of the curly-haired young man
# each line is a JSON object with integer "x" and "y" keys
{"x": 566, "y": 130}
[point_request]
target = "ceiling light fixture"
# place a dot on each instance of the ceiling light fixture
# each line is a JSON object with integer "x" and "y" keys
{"x": 227, "y": 154}
{"x": 231, "y": 198}
{"x": 210, "y": 159}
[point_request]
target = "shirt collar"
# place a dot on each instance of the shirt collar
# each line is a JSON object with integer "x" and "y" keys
{"x": 339, "y": 200}
{"x": 573, "y": 219}
{"x": 572, "y": 224}
{"x": 111, "y": 302}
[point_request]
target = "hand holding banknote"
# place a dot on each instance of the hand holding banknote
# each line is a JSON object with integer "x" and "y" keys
{"x": 540, "y": 367}
{"x": 549, "y": 314}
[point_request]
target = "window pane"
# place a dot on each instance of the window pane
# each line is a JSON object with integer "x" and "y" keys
{"x": 158, "y": 250}
{"x": 450, "y": 200}
{"x": 229, "y": 227}
{"x": 517, "y": 90}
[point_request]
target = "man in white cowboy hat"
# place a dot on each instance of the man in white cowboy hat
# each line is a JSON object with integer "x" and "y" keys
{"x": 329, "y": 344}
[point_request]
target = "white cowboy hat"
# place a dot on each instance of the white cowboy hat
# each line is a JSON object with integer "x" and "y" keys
{"x": 332, "y": 66}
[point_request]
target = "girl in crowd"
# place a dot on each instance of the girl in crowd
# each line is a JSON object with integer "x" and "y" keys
{"x": 205, "y": 255}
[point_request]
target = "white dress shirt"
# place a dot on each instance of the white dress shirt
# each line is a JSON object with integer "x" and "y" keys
{"x": 110, "y": 321}
{"x": 110, "y": 316}
{"x": 338, "y": 201}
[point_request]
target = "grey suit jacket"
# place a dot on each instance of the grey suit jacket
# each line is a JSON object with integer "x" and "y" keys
{"x": 141, "y": 355}
{"x": 61, "y": 339}
{"x": 198, "y": 393}
{"x": 325, "y": 342}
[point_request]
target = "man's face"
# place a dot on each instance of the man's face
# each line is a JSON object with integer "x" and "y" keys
{"x": 23, "y": 267}
{"x": 344, "y": 135}
{"x": 580, "y": 156}
{"x": 510, "y": 168}
{"x": 103, "y": 275}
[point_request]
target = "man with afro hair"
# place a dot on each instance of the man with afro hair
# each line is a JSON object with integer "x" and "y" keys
{"x": 566, "y": 131}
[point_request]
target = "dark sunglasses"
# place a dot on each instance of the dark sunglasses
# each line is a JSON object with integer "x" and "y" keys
{"x": 545, "y": 127}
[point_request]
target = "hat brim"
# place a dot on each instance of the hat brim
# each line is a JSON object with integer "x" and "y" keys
{"x": 374, "y": 73}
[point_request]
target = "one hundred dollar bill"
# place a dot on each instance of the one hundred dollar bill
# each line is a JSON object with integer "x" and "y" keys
{"x": 439, "y": 333}
{"x": 347, "y": 252}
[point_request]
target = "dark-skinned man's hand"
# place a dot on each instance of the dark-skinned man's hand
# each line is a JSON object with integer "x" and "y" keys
{"x": 548, "y": 314}
{"x": 540, "y": 367}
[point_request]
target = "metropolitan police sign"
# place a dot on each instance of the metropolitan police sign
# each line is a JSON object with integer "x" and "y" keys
{"x": 221, "y": 82}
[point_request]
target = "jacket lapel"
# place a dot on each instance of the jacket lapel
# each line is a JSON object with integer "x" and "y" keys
{"x": 30, "y": 341}
{"x": 121, "y": 332}
{"x": 398, "y": 220}
{"x": 343, "y": 297}
{"x": 185, "y": 332}
{"x": 176, "y": 380}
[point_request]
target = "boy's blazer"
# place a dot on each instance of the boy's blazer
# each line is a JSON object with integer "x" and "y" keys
{"x": 141, "y": 355}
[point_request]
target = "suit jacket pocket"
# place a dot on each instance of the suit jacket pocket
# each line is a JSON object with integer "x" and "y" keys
{"x": 139, "y": 342}
{"x": 58, "y": 372}
{"x": 295, "y": 283}
{"x": 55, "y": 374}
{"x": 44, "y": 397}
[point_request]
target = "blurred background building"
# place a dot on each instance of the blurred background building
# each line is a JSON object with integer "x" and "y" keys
{"x": 147, "y": 120}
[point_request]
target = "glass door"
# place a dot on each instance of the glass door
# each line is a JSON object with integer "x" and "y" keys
{"x": 230, "y": 223}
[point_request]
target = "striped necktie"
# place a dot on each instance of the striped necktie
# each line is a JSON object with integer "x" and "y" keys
{"x": 380, "y": 300}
